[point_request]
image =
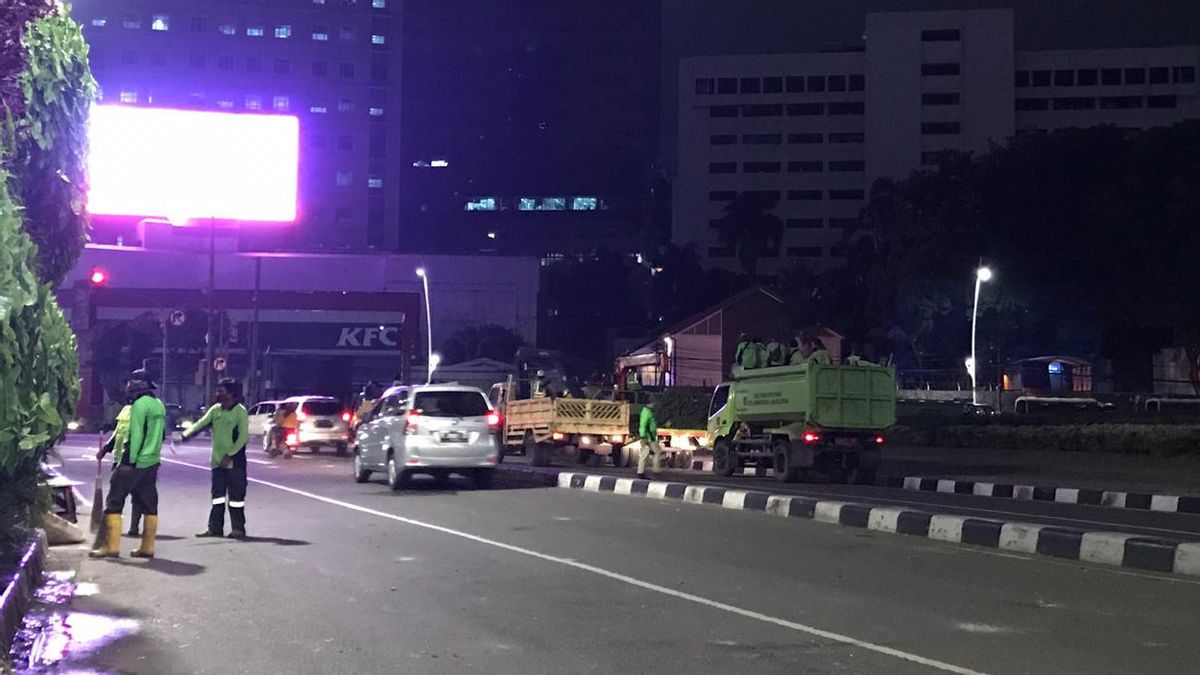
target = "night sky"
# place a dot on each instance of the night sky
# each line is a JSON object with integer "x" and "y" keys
{"x": 699, "y": 27}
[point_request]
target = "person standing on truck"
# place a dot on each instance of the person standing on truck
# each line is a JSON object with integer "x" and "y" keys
{"x": 739, "y": 355}
{"x": 648, "y": 435}
{"x": 776, "y": 352}
{"x": 820, "y": 355}
{"x": 137, "y": 469}
{"x": 230, "y": 429}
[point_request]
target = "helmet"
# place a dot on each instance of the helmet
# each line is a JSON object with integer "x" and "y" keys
{"x": 139, "y": 383}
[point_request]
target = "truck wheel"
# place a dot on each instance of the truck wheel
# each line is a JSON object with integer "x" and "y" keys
{"x": 782, "y": 461}
{"x": 724, "y": 458}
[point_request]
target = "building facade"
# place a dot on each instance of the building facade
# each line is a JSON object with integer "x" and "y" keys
{"x": 334, "y": 64}
{"x": 306, "y": 323}
{"x": 814, "y": 131}
{"x": 531, "y": 127}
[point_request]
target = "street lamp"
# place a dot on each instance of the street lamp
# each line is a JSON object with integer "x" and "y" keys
{"x": 434, "y": 361}
{"x": 430, "y": 365}
{"x": 982, "y": 276}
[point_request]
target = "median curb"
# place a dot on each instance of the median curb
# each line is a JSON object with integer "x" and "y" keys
{"x": 1050, "y": 493}
{"x": 1105, "y": 548}
{"x": 17, "y": 594}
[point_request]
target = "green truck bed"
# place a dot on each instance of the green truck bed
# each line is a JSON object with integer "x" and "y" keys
{"x": 844, "y": 396}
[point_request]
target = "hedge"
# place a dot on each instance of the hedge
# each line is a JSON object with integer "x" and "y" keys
{"x": 1138, "y": 439}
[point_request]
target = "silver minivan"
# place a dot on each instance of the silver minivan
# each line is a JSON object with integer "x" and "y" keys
{"x": 434, "y": 429}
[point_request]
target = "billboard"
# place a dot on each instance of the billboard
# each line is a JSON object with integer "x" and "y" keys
{"x": 182, "y": 164}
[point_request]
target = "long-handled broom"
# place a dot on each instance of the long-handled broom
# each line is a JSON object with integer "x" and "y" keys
{"x": 97, "y": 522}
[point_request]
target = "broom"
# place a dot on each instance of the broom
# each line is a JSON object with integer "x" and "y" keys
{"x": 98, "y": 499}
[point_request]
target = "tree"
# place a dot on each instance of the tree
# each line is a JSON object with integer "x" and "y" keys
{"x": 488, "y": 341}
{"x": 749, "y": 227}
{"x": 45, "y": 89}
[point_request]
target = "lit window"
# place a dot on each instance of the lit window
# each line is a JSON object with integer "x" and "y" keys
{"x": 253, "y": 103}
{"x": 553, "y": 204}
{"x": 99, "y": 23}
{"x": 345, "y": 105}
{"x": 318, "y": 2}
{"x": 283, "y": 32}
{"x": 482, "y": 204}
{"x": 225, "y": 104}
{"x": 378, "y": 39}
{"x": 129, "y": 96}
{"x": 280, "y": 103}
{"x": 227, "y": 29}
{"x": 584, "y": 204}
{"x": 374, "y": 183}
{"x": 160, "y": 22}
{"x": 527, "y": 204}
{"x": 344, "y": 178}
{"x": 379, "y": 4}
{"x": 131, "y": 23}
{"x": 320, "y": 36}
{"x": 376, "y": 112}
{"x": 254, "y": 31}
{"x": 439, "y": 164}
{"x": 318, "y": 110}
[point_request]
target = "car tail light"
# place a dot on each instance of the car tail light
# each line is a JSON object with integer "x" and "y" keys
{"x": 558, "y": 436}
{"x": 410, "y": 420}
{"x": 346, "y": 416}
{"x": 493, "y": 420}
{"x": 880, "y": 440}
{"x": 292, "y": 439}
{"x": 301, "y": 415}
{"x": 811, "y": 437}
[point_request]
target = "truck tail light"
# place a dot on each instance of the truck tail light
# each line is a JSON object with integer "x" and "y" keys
{"x": 880, "y": 440}
{"x": 616, "y": 439}
{"x": 811, "y": 437}
{"x": 558, "y": 436}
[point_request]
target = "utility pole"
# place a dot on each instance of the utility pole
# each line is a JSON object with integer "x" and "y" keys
{"x": 166, "y": 320}
{"x": 210, "y": 338}
{"x": 252, "y": 390}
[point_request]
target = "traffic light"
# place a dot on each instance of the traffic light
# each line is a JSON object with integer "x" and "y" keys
{"x": 98, "y": 277}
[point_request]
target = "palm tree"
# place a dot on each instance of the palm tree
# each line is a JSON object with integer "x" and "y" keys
{"x": 749, "y": 227}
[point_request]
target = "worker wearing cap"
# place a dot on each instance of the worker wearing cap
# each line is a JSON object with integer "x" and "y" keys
{"x": 137, "y": 469}
{"x": 648, "y": 435}
{"x": 230, "y": 429}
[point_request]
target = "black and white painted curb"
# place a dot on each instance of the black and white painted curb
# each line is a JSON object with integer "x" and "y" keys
{"x": 1062, "y": 495}
{"x": 707, "y": 467}
{"x": 1105, "y": 548}
{"x": 16, "y": 595}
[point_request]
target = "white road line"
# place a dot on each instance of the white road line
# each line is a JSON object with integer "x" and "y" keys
{"x": 632, "y": 581}
{"x": 259, "y": 461}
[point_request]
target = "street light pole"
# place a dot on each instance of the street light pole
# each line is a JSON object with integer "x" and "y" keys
{"x": 210, "y": 339}
{"x": 429, "y": 365}
{"x": 982, "y": 276}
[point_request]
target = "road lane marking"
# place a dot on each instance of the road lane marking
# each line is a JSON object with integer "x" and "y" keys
{"x": 632, "y": 581}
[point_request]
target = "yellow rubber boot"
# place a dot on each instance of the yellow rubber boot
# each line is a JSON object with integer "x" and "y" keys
{"x": 149, "y": 531}
{"x": 110, "y": 543}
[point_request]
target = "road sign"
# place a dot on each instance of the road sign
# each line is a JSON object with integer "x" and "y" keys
{"x": 178, "y": 318}
{"x": 219, "y": 364}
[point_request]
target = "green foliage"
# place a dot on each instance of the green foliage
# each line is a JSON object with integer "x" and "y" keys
{"x": 1138, "y": 439}
{"x": 683, "y": 408}
{"x": 749, "y": 227}
{"x": 46, "y": 89}
{"x": 48, "y": 165}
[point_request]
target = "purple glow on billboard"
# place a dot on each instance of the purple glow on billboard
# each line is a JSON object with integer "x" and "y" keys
{"x": 179, "y": 164}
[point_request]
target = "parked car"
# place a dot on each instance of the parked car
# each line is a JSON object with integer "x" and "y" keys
{"x": 324, "y": 422}
{"x": 435, "y": 429}
{"x": 261, "y": 416}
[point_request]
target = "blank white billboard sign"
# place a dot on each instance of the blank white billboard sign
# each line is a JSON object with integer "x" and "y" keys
{"x": 180, "y": 164}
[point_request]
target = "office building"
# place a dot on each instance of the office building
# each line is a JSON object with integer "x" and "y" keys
{"x": 335, "y": 64}
{"x": 815, "y": 130}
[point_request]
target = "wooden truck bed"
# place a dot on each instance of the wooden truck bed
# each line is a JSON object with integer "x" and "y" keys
{"x": 569, "y": 416}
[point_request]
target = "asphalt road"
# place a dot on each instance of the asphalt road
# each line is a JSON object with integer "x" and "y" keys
{"x": 349, "y": 578}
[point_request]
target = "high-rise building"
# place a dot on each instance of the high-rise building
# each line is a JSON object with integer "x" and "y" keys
{"x": 529, "y": 126}
{"x": 815, "y": 130}
{"x": 335, "y": 64}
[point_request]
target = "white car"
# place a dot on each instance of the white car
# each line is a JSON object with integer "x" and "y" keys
{"x": 435, "y": 430}
{"x": 261, "y": 415}
{"x": 323, "y": 420}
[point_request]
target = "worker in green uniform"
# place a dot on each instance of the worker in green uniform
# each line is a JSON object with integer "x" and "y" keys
{"x": 648, "y": 435}
{"x": 777, "y": 352}
{"x": 137, "y": 469}
{"x": 230, "y": 429}
{"x": 116, "y": 445}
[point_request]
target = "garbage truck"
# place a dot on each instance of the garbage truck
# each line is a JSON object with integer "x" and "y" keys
{"x": 797, "y": 419}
